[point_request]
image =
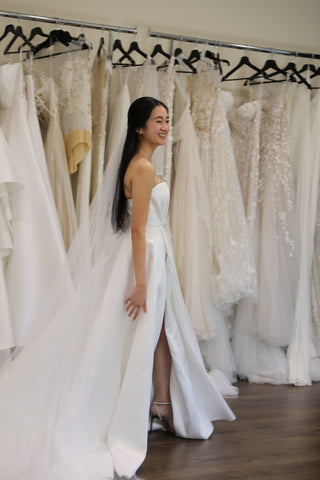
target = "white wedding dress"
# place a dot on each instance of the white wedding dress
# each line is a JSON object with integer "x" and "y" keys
{"x": 75, "y": 403}
{"x": 38, "y": 246}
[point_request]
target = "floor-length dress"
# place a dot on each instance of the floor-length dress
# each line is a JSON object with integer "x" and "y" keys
{"x": 100, "y": 74}
{"x": 191, "y": 239}
{"x": 274, "y": 312}
{"x": 75, "y": 404}
{"x": 234, "y": 270}
{"x": 38, "y": 245}
{"x": 56, "y": 159}
{"x": 255, "y": 360}
{"x": 70, "y": 70}
{"x": 10, "y": 183}
{"x": 315, "y": 274}
{"x": 300, "y": 348}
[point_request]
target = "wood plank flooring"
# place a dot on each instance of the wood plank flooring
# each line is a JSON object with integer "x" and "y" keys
{"x": 276, "y": 436}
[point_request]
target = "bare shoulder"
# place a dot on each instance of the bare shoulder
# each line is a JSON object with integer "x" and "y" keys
{"x": 140, "y": 166}
{"x": 139, "y": 172}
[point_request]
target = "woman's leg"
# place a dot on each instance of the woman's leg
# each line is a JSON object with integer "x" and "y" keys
{"x": 161, "y": 378}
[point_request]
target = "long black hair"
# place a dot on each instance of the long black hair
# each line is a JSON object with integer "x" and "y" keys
{"x": 138, "y": 114}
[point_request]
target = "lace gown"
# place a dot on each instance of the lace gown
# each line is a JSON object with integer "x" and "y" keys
{"x": 75, "y": 404}
{"x": 255, "y": 360}
{"x": 57, "y": 160}
{"x": 100, "y": 74}
{"x": 71, "y": 74}
{"x": 191, "y": 238}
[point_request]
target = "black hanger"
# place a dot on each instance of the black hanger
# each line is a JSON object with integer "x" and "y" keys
{"x": 216, "y": 59}
{"x": 134, "y": 47}
{"x": 37, "y": 31}
{"x": 264, "y": 74}
{"x": 289, "y": 73}
{"x": 101, "y": 44}
{"x": 34, "y": 32}
{"x": 83, "y": 42}
{"x": 9, "y": 29}
{"x": 158, "y": 49}
{"x": 297, "y": 75}
{"x": 118, "y": 46}
{"x": 316, "y": 73}
{"x": 194, "y": 56}
{"x": 308, "y": 66}
{"x": 178, "y": 53}
{"x": 243, "y": 61}
{"x": 54, "y": 36}
{"x": 17, "y": 33}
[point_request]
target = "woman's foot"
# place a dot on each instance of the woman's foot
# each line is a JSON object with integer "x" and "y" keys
{"x": 161, "y": 413}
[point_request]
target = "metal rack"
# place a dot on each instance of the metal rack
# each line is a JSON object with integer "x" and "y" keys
{"x": 74, "y": 23}
{"x": 183, "y": 38}
{"x": 63, "y": 21}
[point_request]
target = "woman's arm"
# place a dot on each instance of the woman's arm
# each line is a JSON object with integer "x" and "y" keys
{"x": 141, "y": 179}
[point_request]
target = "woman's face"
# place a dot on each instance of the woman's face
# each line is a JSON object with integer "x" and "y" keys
{"x": 157, "y": 127}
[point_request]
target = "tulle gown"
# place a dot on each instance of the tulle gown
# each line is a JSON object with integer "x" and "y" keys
{"x": 75, "y": 403}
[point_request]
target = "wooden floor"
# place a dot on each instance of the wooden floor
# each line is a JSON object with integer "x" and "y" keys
{"x": 276, "y": 436}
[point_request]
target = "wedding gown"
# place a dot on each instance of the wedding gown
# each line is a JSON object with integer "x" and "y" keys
{"x": 38, "y": 245}
{"x": 75, "y": 404}
{"x": 10, "y": 184}
{"x": 257, "y": 361}
{"x": 300, "y": 351}
{"x": 69, "y": 68}
{"x": 191, "y": 239}
{"x": 315, "y": 277}
{"x": 100, "y": 74}
{"x": 57, "y": 159}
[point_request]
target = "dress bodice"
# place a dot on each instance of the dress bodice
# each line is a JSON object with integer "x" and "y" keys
{"x": 159, "y": 204}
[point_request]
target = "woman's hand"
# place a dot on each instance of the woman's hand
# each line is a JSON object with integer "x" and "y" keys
{"x": 136, "y": 301}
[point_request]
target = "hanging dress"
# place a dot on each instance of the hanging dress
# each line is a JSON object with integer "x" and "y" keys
{"x": 255, "y": 360}
{"x": 166, "y": 92}
{"x": 190, "y": 227}
{"x": 120, "y": 103}
{"x": 308, "y": 169}
{"x": 69, "y": 68}
{"x": 38, "y": 246}
{"x": 75, "y": 404}
{"x": 245, "y": 131}
{"x": 191, "y": 240}
{"x": 10, "y": 183}
{"x": 100, "y": 75}
{"x": 274, "y": 312}
{"x": 315, "y": 275}
{"x": 233, "y": 268}
{"x": 57, "y": 160}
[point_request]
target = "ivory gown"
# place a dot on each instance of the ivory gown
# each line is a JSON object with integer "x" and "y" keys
{"x": 75, "y": 403}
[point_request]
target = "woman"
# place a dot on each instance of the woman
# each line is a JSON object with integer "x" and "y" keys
{"x": 76, "y": 402}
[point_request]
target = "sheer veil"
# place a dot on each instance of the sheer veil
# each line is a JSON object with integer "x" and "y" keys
{"x": 91, "y": 250}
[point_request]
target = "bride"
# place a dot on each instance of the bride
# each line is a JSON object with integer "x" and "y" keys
{"x": 119, "y": 356}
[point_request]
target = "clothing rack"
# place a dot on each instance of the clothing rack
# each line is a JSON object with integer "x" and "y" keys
{"x": 183, "y": 38}
{"x": 73, "y": 23}
{"x": 63, "y": 21}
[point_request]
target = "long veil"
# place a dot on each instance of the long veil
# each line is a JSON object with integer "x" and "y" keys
{"x": 34, "y": 388}
{"x": 92, "y": 246}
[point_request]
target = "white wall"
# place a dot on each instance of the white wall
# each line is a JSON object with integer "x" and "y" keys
{"x": 288, "y": 24}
